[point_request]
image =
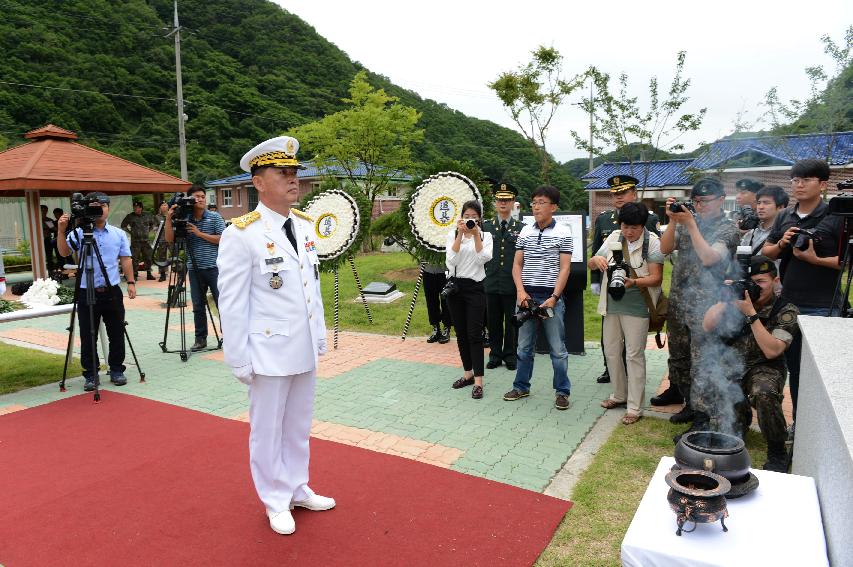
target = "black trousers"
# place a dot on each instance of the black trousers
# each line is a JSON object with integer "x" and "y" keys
{"x": 109, "y": 306}
{"x": 467, "y": 307}
{"x": 437, "y": 309}
{"x": 503, "y": 336}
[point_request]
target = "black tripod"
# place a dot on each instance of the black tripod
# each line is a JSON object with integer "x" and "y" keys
{"x": 88, "y": 249}
{"x": 177, "y": 294}
{"x": 841, "y": 296}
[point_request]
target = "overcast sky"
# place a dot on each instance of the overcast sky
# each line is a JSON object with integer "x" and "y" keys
{"x": 449, "y": 51}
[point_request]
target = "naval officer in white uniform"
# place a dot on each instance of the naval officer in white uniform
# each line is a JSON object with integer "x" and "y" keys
{"x": 273, "y": 327}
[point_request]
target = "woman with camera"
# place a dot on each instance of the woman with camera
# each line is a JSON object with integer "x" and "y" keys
{"x": 625, "y": 305}
{"x": 468, "y": 249}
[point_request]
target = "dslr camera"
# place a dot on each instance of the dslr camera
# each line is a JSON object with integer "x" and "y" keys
{"x": 803, "y": 236}
{"x": 86, "y": 209}
{"x": 675, "y": 206}
{"x": 450, "y": 288}
{"x": 748, "y": 219}
{"x": 533, "y": 309}
{"x": 736, "y": 289}
{"x": 617, "y": 271}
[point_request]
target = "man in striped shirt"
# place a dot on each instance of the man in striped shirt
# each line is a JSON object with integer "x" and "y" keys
{"x": 204, "y": 229}
{"x": 540, "y": 272}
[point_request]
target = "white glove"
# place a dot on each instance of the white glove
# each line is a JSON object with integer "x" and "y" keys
{"x": 595, "y": 288}
{"x": 244, "y": 373}
{"x": 322, "y": 347}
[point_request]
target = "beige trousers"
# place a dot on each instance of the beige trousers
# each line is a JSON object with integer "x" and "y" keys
{"x": 629, "y": 385}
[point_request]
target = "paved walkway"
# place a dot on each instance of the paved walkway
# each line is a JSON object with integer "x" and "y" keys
{"x": 375, "y": 392}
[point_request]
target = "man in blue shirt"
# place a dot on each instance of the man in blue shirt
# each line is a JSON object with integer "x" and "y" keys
{"x": 109, "y": 302}
{"x": 204, "y": 228}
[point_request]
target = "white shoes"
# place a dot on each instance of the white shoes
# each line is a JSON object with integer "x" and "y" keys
{"x": 282, "y": 522}
{"x": 316, "y": 503}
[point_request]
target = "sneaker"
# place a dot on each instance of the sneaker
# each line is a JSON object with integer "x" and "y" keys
{"x": 561, "y": 402}
{"x": 477, "y": 392}
{"x": 199, "y": 344}
{"x": 513, "y": 395}
{"x": 119, "y": 379}
{"x": 89, "y": 385}
{"x": 445, "y": 336}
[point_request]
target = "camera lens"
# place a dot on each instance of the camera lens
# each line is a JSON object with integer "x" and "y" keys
{"x": 470, "y": 223}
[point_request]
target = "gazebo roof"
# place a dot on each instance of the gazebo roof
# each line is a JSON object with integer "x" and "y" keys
{"x": 56, "y": 166}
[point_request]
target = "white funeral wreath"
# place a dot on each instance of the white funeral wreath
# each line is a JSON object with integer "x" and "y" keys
{"x": 436, "y": 205}
{"x": 336, "y": 222}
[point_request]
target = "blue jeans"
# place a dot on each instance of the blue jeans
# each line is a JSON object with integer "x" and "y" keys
{"x": 200, "y": 281}
{"x": 555, "y": 333}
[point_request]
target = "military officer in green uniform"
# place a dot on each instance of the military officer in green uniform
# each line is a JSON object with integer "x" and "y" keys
{"x": 139, "y": 224}
{"x": 759, "y": 333}
{"x": 500, "y": 289}
{"x": 623, "y": 189}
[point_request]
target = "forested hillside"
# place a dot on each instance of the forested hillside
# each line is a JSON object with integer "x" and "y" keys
{"x": 251, "y": 70}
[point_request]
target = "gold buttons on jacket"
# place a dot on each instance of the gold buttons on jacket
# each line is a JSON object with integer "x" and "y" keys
{"x": 267, "y": 332}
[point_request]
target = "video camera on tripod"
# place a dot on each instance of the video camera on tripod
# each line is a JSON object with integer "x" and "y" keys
{"x": 182, "y": 214}
{"x": 86, "y": 209}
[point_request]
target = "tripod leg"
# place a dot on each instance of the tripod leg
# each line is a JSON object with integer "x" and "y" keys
{"x": 69, "y": 348}
{"x": 133, "y": 353}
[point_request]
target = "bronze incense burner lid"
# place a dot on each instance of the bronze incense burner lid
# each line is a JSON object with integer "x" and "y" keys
{"x": 697, "y": 496}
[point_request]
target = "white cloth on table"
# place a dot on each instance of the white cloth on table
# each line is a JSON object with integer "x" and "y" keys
{"x": 777, "y": 524}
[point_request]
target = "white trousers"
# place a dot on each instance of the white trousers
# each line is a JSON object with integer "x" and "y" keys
{"x": 629, "y": 384}
{"x": 280, "y": 409}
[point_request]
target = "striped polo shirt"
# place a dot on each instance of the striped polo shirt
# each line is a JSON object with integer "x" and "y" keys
{"x": 542, "y": 249}
{"x": 204, "y": 252}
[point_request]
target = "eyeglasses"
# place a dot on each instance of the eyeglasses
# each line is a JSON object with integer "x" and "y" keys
{"x": 802, "y": 180}
{"x": 541, "y": 203}
{"x": 705, "y": 201}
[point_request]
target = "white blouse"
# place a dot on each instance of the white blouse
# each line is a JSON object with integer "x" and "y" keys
{"x": 468, "y": 263}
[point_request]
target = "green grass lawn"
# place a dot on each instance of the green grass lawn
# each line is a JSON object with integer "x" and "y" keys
{"x": 24, "y": 368}
{"x": 610, "y": 489}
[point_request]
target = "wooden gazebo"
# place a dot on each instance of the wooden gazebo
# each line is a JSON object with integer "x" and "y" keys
{"x": 53, "y": 165}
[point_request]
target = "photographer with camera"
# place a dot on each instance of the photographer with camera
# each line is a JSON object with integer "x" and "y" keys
{"x": 745, "y": 198}
{"x": 631, "y": 265}
{"x": 540, "y": 270}
{"x": 623, "y": 189}
{"x": 808, "y": 241}
{"x": 706, "y": 242}
{"x": 468, "y": 249}
{"x": 204, "y": 229}
{"x": 109, "y": 302}
{"x": 760, "y": 330}
{"x": 769, "y": 202}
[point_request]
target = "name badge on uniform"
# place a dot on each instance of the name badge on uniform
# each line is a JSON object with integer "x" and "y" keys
{"x": 274, "y": 262}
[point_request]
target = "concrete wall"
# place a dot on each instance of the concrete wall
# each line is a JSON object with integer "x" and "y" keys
{"x": 823, "y": 446}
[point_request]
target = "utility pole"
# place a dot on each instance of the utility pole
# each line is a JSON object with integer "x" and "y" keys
{"x": 591, "y": 140}
{"x": 182, "y": 136}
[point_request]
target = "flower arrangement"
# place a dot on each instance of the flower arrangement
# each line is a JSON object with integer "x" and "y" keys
{"x": 435, "y": 207}
{"x": 336, "y": 222}
{"x": 46, "y": 293}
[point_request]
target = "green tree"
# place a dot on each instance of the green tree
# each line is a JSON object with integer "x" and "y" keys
{"x": 829, "y": 107}
{"x": 371, "y": 140}
{"x": 620, "y": 123}
{"x": 533, "y": 94}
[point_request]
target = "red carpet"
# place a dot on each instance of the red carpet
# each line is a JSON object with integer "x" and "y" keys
{"x": 136, "y": 482}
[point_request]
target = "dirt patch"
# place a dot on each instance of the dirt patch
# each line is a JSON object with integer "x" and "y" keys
{"x": 407, "y": 275}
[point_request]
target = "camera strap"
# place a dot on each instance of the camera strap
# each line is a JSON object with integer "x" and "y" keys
{"x": 644, "y": 291}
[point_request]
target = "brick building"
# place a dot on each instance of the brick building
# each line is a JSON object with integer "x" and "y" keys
{"x": 235, "y": 195}
{"x": 765, "y": 159}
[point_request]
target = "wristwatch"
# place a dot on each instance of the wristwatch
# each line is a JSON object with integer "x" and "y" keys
{"x": 752, "y": 319}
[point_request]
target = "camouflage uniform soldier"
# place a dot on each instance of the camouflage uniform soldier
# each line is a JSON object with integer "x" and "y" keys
{"x": 759, "y": 341}
{"x": 500, "y": 289}
{"x": 623, "y": 189}
{"x": 706, "y": 242}
{"x": 139, "y": 224}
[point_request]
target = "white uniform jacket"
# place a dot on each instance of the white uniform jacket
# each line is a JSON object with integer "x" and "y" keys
{"x": 281, "y": 331}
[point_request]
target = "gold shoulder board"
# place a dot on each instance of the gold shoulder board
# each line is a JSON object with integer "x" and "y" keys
{"x": 246, "y": 220}
{"x": 301, "y": 215}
